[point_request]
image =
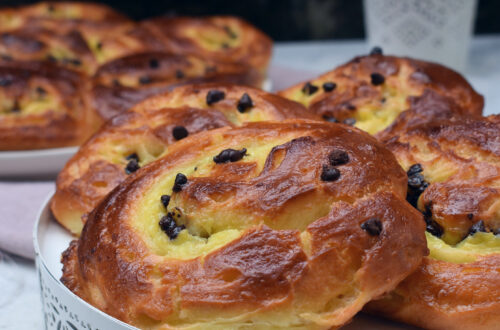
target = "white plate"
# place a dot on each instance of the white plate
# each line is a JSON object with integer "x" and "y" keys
{"x": 64, "y": 310}
{"x": 34, "y": 163}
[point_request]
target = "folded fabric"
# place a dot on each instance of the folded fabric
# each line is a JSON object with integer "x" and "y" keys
{"x": 19, "y": 206}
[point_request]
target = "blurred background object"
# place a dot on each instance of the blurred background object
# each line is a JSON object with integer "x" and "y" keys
{"x": 290, "y": 20}
{"x": 433, "y": 30}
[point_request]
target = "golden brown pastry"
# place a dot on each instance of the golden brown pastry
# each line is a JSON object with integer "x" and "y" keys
{"x": 219, "y": 38}
{"x": 369, "y": 92}
{"x": 66, "y": 49}
{"x": 135, "y": 138}
{"x": 453, "y": 169}
{"x": 293, "y": 224}
{"x": 52, "y": 31}
{"x": 57, "y": 14}
{"x": 120, "y": 84}
{"x": 41, "y": 106}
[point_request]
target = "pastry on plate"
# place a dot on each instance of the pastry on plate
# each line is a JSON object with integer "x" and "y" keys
{"x": 219, "y": 38}
{"x": 41, "y": 106}
{"x": 122, "y": 83}
{"x": 291, "y": 224}
{"x": 66, "y": 49}
{"x": 137, "y": 137}
{"x": 369, "y": 92}
{"x": 453, "y": 167}
{"x": 54, "y": 14}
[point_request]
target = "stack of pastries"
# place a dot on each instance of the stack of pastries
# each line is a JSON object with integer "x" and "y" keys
{"x": 110, "y": 64}
{"x": 203, "y": 202}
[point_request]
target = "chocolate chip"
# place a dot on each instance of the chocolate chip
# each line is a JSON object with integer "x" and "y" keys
{"x": 229, "y": 155}
{"x": 330, "y": 119}
{"x": 41, "y": 90}
{"x": 309, "y": 88}
{"x": 372, "y": 226}
{"x": 116, "y": 83}
{"x": 349, "y": 106}
{"x": 329, "y": 86}
{"x": 377, "y": 79}
{"x": 98, "y": 46}
{"x": 338, "y": 157}
{"x": 51, "y": 8}
{"x": 225, "y": 45}
{"x": 51, "y": 58}
{"x": 132, "y": 166}
{"x": 165, "y": 199}
{"x": 145, "y": 80}
{"x": 432, "y": 226}
{"x": 477, "y": 227}
{"x": 180, "y": 180}
{"x": 416, "y": 184}
{"x": 376, "y": 51}
{"x": 153, "y": 63}
{"x": 72, "y": 61}
{"x": 179, "y": 132}
{"x": 230, "y": 32}
{"x": 214, "y": 96}
{"x": 179, "y": 74}
{"x": 414, "y": 169}
{"x": 470, "y": 216}
{"x": 330, "y": 174}
{"x": 169, "y": 226}
{"x": 132, "y": 156}
{"x": 349, "y": 121}
{"x": 244, "y": 103}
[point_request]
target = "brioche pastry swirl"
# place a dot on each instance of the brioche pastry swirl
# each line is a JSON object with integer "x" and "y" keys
{"x": 270, "y": 225}
{"x": 454, "y": 180}
{"x": 146, "y": 132}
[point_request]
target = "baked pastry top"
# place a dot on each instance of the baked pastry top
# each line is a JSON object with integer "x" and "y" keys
{"x": 41, "y": 106}
{"x": 57, "y": 14}
{"x": 219, "y": 38}
{"x": 122, "y": 83}
{"x": 370, "y": 92}
{"x": 271, "y": 224}
{"x": 137, "y": 137}
{"x": 453, "y": 169}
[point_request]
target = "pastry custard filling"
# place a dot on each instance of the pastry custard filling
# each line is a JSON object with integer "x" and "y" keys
{"x": 215, "y": 38}
{"x": 373, "y": 115}
{"x": 468, "y": 250}
{"x": 34, "y": 101}
{"x": 209, "y": 215}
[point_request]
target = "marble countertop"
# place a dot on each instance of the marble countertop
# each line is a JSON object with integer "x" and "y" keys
{"x": 20, "y": 306}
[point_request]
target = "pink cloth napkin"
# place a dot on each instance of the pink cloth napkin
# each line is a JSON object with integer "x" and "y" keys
{"x": 19, "y": 206}
{"x": 20, "y": 201}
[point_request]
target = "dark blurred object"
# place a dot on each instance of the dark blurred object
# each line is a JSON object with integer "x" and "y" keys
{"x": 283, "y": 20}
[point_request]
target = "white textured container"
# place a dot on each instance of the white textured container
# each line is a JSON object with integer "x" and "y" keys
{"x": 63, "y": 310}
{"x": 433, "y": 30}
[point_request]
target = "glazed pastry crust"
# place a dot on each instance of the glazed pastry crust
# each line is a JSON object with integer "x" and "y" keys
{"x": 42, "y": 106}
{"x": 283, "y": 248}
{"x": 147, "y": 129}
{"x": 119, "y": 85}
{"x": 376, "y": 105}
{"x": 460, "y": 157}
{"x": 219, "y": 38}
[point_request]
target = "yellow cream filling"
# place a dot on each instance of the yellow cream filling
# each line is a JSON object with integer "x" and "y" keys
{"x": 468, "y": 250}
{"x": 221, "y": 227}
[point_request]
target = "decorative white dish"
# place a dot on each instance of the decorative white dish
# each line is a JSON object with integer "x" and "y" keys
{"x": 63, "y": 310}
{"x": 34, "y": 163}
